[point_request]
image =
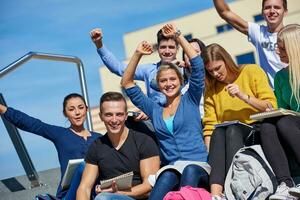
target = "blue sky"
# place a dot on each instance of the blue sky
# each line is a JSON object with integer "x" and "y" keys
{"x": 62, "y": 27}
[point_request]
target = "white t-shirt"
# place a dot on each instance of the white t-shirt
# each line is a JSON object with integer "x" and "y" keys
{"x": 265, "y": 44}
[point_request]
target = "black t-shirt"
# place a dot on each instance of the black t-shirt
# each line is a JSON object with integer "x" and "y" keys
{"x": 112, "y": 162}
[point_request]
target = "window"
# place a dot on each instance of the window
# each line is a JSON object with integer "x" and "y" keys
{"x": 188, "y": 36}
{"x": 223, "y": 28}
{"x": 247, "y": 58}
{"x": 258, "y": 18}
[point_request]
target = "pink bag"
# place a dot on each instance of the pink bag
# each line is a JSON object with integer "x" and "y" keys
{"x": 188, "y": 193}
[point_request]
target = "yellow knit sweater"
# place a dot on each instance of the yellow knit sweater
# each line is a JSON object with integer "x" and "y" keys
{"x": 219, "y": 106}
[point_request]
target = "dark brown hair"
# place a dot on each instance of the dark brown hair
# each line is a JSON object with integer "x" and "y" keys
{"x": 70, "y": 96}
{"x": 112, "y": 96}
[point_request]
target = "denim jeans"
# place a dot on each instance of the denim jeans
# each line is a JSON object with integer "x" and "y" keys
{"x": 192, "y": 175}
{"x": 112, "y": 196}
{"x": 71, "y": 194}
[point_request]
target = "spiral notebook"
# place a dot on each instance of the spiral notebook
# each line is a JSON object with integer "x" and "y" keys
{"x": 123, "y": 181}
{"x": 234, "y": 122}
{"x": 273, "y": 113}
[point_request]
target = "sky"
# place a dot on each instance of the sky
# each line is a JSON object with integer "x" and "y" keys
{"x": 62, "y": 27}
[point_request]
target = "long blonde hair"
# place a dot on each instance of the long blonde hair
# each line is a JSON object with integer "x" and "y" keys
{"x": 215, "y": 52}
{"x": 290, "y": 36}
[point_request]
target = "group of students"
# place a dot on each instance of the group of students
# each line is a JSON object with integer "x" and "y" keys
{"x": 231, "y": 92}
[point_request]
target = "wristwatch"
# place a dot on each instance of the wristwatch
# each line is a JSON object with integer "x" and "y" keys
{"x": 177, "y": 33}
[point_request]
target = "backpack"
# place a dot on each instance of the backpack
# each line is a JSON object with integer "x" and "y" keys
{"x": 250, "y": 176}
{"x": 188, "y": 193}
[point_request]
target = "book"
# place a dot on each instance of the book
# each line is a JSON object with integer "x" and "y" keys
{"x": 178, "y": 166}
{"x": 72, "y": 165}
{"x": 124, "y": 181}
{"x": 273, "y": 113}
{"x": 234, "y": 122}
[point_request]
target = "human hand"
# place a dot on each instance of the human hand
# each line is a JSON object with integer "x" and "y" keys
{"x": 269, "y": 107}
{"x": 142, "y": 116}
{"x": 180, "y": 63}
{"x": 112, "y": 189}
{"x": 2, "y": 109}
{"x": 169, "y": 30}
{"x": 233, "y": 90}
{"x": 144, "y": 48}
{"x": 96, "y": 36}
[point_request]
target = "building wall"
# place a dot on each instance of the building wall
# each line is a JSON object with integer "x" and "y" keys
{"x": 203, "y": 26}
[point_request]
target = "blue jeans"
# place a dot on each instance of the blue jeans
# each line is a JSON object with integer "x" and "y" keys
{"x": 112, "y": 196}
{"x": 192, "y": 175}
{"x": 71, "y": 194}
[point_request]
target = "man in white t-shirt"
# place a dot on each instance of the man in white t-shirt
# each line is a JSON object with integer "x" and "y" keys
{"x": 264, "y": 38}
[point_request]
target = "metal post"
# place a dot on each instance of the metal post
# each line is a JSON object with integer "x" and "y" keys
{"x": 21, "y": 150}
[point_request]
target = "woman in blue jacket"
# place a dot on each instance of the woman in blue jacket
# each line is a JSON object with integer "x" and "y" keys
{"x": 70, "y": 143}
{"x": 177, "y": 124}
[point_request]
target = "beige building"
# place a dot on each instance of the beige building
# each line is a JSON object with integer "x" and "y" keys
{"x": 207, "y": 26}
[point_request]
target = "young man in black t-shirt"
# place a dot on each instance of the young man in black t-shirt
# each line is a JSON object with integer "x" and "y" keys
{"x": 120, "y": 151}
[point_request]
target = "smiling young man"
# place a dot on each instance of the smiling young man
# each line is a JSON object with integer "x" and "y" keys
{"x": 167, "y": 51}
{"x": 120, "y": 151}
{"x": 264, "y": 38}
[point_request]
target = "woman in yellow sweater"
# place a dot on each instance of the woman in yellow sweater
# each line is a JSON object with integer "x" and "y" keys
{"x": 231, "y": 93}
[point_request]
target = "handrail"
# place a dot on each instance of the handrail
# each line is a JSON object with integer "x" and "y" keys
{"x": 55, "y": 57}
{"x": 21, "y": 149}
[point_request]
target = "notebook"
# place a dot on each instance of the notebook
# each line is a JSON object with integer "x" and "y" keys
{"x": 234, "y": 122}
{"x": 178, "y": 166}
{"x": 273, "y": 113}
{"x": 72, "y": 165}
{"x": 124, "y": 181}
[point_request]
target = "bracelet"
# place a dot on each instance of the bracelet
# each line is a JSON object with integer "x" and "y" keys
{"x": 177, "y": 33}
{"x": 248, "y": 99}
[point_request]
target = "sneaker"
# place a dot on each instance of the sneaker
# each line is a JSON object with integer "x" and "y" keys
{"x": 218, "y": 197}
{"x": 295, "y": 191}
{"x": 282, "y": 193}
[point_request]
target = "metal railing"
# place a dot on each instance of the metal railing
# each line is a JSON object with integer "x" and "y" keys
{"x": 12, "y": 130}
{"x": 21, "y": 149}
{"x": 55, "y": 57}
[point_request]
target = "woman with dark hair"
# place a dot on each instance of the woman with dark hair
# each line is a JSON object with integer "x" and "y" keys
{"x": 198, "y": 46}
{"x": 231, "y": 93}
{"x": 70, "y": 143}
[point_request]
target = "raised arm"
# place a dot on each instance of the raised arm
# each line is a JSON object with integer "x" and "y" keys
{"x": 30, "y": 124}
{"x": 88, "y": 179}
{"x": 230, "y": 17}
{"x": 196, "y": 81}
{"x": 170, "y": 30}
{"x": 96, "y": 36}
{"x": 112, "y": 63}
{"x": 144, "y": 48}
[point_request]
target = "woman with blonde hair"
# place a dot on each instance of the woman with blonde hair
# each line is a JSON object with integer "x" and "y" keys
{"x": 231, "y": 93}
{"x": 177, "y": 123}
{"x": 285, "y": 130}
